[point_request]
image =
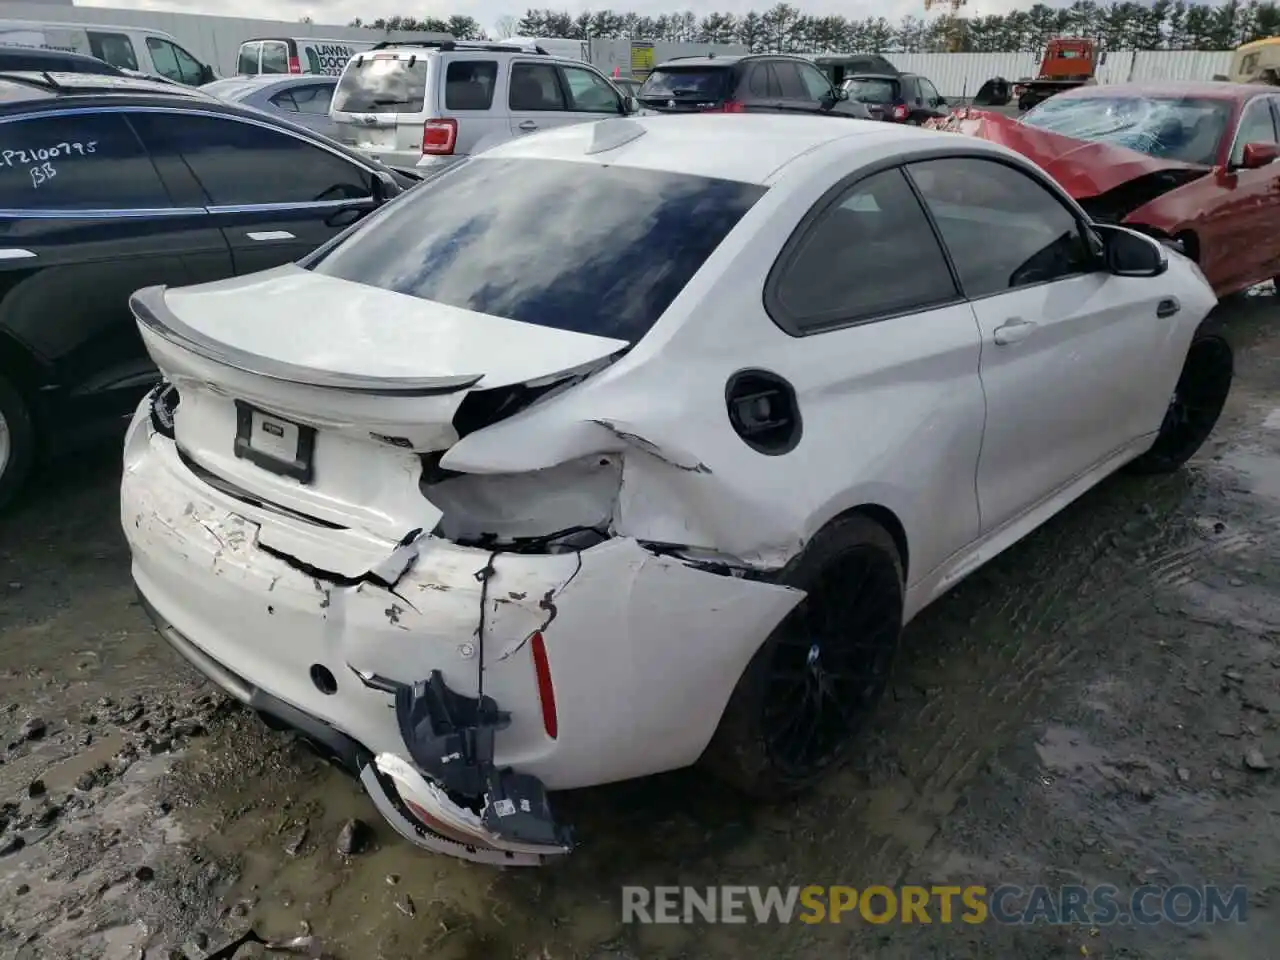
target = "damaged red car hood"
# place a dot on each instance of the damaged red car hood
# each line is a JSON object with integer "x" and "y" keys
{"x": 1083, "y": 168}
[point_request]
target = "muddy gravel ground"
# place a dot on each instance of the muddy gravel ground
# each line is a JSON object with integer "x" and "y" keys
{"x": 1077, "y": 712}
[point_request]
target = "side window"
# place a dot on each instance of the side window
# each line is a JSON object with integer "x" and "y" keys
{"x": 247, "y": 62}
{"x": 790, "y": 85}
{"x": 115, "y": 48}
{"x": 173, "y": 62}
{"x": 313, "y": 99}
{"x": 83, "y": 162}
{"x": 1256, "y": 126}
{"x": 870, "y": 254}
{"x": 192, "y": 69}
{"x": 284, "y": 100}
{"x": 535, "y": 86}
{"x": 241, "y": 163}
{"x": 815, "y": 81}
{"x": 589, "y": 92}
{"x": 1002, "y": 228}
{"x": 468, "y": 84}
{"x": 929, "y": 92}
{"x": 763, "y": 82}
{"x": 275, "y": 57}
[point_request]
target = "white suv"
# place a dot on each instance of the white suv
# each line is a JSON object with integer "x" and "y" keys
{"x": 430, "y": 105}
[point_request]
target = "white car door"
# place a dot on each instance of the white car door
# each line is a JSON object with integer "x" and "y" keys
{"x": 1073, "y": 357}
{"x": 536, "y": 97}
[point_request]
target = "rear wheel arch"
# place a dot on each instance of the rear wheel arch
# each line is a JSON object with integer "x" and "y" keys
{"x": 19, "y": 381}
{"x": 20, "y": 367}
{"x": 850, "y": 619}
{"x": 885, "y": 518}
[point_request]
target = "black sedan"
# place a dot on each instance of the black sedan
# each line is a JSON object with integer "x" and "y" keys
{"x": 109, "y": 184}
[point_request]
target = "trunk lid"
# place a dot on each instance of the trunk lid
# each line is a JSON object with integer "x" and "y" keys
{"x": 319, "y": 395}
{"x": 1084, "y": 168}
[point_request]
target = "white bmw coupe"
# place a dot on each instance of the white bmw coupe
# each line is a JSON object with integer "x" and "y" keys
{"x": 637, "y": 442}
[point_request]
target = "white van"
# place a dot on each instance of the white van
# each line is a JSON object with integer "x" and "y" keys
{"x": 138, "y": 49}
{"x": 297, "y": 55}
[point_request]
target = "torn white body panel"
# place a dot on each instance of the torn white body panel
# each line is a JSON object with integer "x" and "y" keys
{"x": 615, "y": 619}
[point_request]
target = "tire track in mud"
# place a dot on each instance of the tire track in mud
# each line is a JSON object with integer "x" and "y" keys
{"x": 983, "y": 655}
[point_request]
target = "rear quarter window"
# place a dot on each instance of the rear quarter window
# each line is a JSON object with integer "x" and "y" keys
{"x": 627, "y": 241}
{"x": 382, "y": 83}
{"x": 469, "y": 84}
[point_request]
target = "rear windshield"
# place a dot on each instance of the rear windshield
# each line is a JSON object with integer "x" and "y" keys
{"x": 576, "y": 246}
{"x": 688, "y": 84}
{"x": 872, "y": 89}
{"x": 382, "y": 83}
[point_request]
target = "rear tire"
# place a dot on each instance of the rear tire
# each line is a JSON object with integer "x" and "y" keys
{"x": 813, "y": 683}
{"x": 1198, "y": 399}
{"x": 17, "y": 443}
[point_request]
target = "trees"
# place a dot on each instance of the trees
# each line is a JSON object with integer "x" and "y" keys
{"x": 1119, "y": 25}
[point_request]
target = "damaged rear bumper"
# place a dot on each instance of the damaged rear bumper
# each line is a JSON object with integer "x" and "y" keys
{"x": 600, "y": 665}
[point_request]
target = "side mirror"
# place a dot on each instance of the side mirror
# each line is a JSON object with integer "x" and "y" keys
{"x": 384, "y": 187}
{"x": 942, "y": 101}
{"x": 630, "y": 105}
{"x": 841, "y": 93}
{"x": 206, "y": 74}
{"x": 1128, "y": 253}
{"x": 1259, "y": 155}
{"x": 1102, "y": 59}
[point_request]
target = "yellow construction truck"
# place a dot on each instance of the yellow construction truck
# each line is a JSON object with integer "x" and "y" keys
{"x": 1256, "y": 62}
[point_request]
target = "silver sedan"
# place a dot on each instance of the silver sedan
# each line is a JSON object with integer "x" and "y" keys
{"x": 304, "y": 98}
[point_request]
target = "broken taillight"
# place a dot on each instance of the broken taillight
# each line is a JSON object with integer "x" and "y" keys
{"x": 439, "y": 137}
{"x": 900, "y": 111}
{"x": 546, "y": 692}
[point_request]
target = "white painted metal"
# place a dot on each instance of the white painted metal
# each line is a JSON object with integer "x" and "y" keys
{"x": 961, "y": 74}
{"x": 214, "y": 40}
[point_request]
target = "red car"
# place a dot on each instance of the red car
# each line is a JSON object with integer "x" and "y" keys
{"x": 1189, "y": 163}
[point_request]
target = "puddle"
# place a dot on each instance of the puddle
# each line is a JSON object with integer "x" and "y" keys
{"x": 1256, "y": 471}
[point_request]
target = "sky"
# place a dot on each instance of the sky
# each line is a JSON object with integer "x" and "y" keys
{"x": 487, "y": 12}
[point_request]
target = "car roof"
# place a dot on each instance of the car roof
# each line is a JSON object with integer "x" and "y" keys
{"x": 1207, "y": 89}
{"x": 744, "y": 147}
{"x": 22, "y": 87}
{"x": 78, "y": 25}
{"x": 44, "y": 52}
{"x": 727, "y": 60}
{"x": 39, "y": 85}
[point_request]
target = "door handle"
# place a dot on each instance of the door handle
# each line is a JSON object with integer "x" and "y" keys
{"x": 14, "y": 253}
{"x": 270, "y": 235}
{"x": 528, "y": 125}
{"x": 1013, "y": 330}
{"x": 1168, "y": 307}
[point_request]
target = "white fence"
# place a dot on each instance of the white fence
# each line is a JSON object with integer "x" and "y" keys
{"x": 961, "y": 74}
